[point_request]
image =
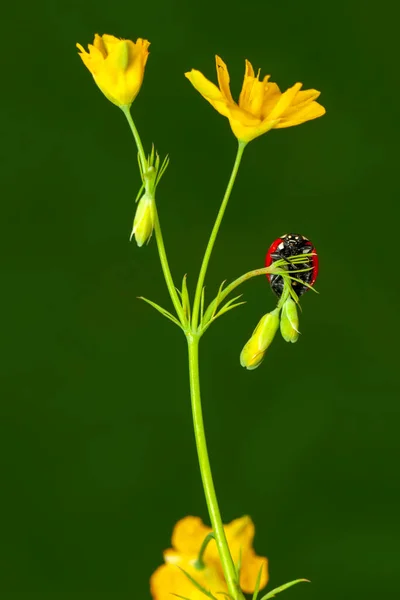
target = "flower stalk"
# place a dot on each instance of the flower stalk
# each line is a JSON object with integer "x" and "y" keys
{"x": 205, "y": 470}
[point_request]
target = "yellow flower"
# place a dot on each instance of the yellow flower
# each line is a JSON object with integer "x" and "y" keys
{"x": 117, "y": 66}
{"x": 187, "y": 538}
{"x": 261, "y": 105}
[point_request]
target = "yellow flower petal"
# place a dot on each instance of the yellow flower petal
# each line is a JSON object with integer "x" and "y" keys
{"x": 252, "y": 94}
{"x": 298, "y": 116}
{"x": 223, "y": 79}
{"x": 169, "y": 579}
{"x": 251, "y": 565}
{"x": 284, "y": 101}
{"x": 209, "y": 91}
{"x": 188, "y": 535}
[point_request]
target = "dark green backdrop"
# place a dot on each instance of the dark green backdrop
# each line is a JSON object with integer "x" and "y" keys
{"x": 98, "y": 458}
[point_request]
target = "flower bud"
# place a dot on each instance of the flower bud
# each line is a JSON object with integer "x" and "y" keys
{"x": 290, "y": 321}
{"x": 253, "y": 353}
{"x": 143, "y": 223}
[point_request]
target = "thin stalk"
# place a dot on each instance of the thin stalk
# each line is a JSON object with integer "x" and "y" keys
{"x": 206, "y": 474}
{"x": 157, "y": 227}
{"x": 213, "y": 236}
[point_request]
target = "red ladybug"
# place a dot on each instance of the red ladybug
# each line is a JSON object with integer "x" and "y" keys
{"x": 284, "y": 247}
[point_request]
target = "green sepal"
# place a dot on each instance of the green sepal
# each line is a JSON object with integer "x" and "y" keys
{"x": 161, "y": 310}
{"x": 185, "y": 299}
{"x": 197, "y": 585}
{"x": 258, "y": 581}
{"x": 281, "y": 588}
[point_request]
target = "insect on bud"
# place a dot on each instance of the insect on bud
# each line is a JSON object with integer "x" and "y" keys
{"x": 143, "y": 223}
{"x": 290, "y": 321}
{"x": 253, "y": 353}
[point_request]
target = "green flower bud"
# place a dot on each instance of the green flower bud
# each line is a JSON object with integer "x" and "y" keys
{"x": 290, "y": 321}
{"x": 253, "y": 353}
{"x": 143, "y": 223}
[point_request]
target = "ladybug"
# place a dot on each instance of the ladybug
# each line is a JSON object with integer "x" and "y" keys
{"x": 284, "y": 247}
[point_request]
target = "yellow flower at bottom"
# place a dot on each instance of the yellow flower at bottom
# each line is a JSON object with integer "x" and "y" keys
{"x": 187, "y": 538}
{"x": 261, "y": 105}
{"x": 117, "y": 66}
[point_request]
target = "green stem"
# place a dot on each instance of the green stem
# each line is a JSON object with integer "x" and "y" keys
{"x": 166, "y": 270}
{"x": 213, "y": 236}
{"x": 157, "y": 227}
{"x": 205, "y": 470}
{"x": 142, "y": 156}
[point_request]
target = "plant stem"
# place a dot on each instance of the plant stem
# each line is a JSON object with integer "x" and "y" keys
{"x": 213, "y": 236}
{"x": 142, "y": 156}
{"x": 205, "y": 470}
{"x": 157, "y": 227}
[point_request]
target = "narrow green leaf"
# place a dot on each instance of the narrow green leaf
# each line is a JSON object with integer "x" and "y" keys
{"x": 202, "y": 304}
{"x": 161, "y": 310}
{"x": 185, "y": 298}
{"x": 281, "y": 588}
{"x": 163, "y": 168}
{"x": 258, "y": 581}
{"x": 310, "y": 287}
{"x": 178, "y": 596}
{"x": 225, "y": 309}
{"x": 197, "y": 585}
{"x": 139, "y": 194}
{"x": 217, "y": 299}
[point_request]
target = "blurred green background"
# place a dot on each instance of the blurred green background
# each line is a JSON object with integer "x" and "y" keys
{"x": 98, "y": 459}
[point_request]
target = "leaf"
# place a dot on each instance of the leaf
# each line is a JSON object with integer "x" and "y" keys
{"x": 281, "y": 588}
{"x": 162, "y": 310}
{"x": 164, "y": 166}
{"x": 185, "y": 298}
{"x": 229, "y": 306}
{"x": 178, "y": 596}
{"x": 202, "y": 304}
{"x": 197, "y": 585}
{"x": 258, "y": 581}
{"x": 217, "y": 299}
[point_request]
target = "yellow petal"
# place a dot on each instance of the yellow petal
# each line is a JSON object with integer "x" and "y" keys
{"x": 98, "y": 43}
{"x": 204, "y": 86}
{"x": 305, "y": 96}
{"x": 296, "y": 117}
{"x": 223, "y": 78}
{"x": 252, "y": 94}
{"x": 251, "y": 565}
{"x": 109, "y": 41}
{"x": 188, "y": 535}
{"x": 284, "y": 101}
{"x": 209, "y": 91}
{"x": 271, "y": 96}
{"x": 168, "y": 580}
